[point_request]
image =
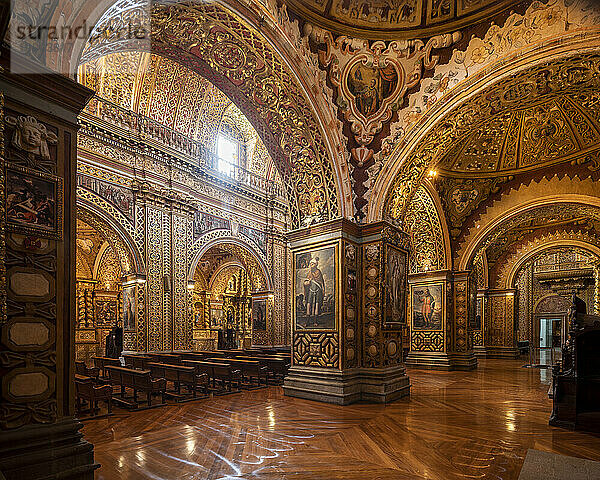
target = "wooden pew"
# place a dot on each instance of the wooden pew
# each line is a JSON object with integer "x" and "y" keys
{"x": 83, "y": 370}
{"x": 198, "y": 356}
{"x": 103, "y": 362}
{"x": 139, "y": 362}
{"x": 168, "y": 358}
{"x": 87, "y": 390}
{"x": 228, "y": 353}
{"x": 277, "y": 367}
{"x": 218, "y": 371}
{"x": 250, "y": 369}
{"x": 180, "y": 374}
{"x": 136, "y": 380}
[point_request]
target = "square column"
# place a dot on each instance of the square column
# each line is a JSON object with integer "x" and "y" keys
{"x": 442, "y": 316}
{"x": 347, "y": 340}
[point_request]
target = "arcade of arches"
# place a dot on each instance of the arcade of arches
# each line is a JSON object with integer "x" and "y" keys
{"x": 375, "y": 192}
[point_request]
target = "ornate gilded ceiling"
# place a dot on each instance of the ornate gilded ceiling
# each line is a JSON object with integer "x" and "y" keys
{"x": 395, "y": 19}
{"x": 171, "y": 94}
{"x": 544, "y": 115}
{"x": 529, "y": 133}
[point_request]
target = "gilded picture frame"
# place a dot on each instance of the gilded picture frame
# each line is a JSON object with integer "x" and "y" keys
{"x": 34, "y": 202}
{"x": 395, "y": 283}
{"x": 315, "y": 288}
{"x": 427, "y": 306}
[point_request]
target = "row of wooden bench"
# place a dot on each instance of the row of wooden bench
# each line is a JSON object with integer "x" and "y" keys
{"x": 217, "y": 371}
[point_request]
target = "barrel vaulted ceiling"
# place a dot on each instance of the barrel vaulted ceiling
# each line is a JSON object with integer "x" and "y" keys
{"x": 171, "y": 94}
{"x": 223, "y": 47}
{"x": 437, "y": 48}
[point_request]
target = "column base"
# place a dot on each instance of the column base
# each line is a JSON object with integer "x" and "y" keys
{"x": 442, "y": 361}
{"x": 509, "y": 353}
{"x": 47, "y": 451}
{"x": 376, "y": 385}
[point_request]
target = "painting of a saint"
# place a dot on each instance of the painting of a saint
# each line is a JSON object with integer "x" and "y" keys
{"x": 427, "y": 306}
{"x": 259, "y": 315}
{"x": 475, "y": 320}
{"x": 395, "y": 286}
{"x": 216, "y": 317}
{"x": 129, "y": 309}
{"x": 315, "y": 289}
{"x": 31, "y": 201}
{"x": 371, "y": 86}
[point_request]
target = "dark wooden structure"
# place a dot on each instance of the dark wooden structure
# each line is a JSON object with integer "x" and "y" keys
{"x": 103, "y": 362}
{"x": 250, "y": 370}
{"x": 87, "y": 390}
{"x": 165, "y": 357}
{"x": 137, "y": 380}
{"x": 180, "y": 375}
{"x": 576, "y": 380}
{"x": 83, "y": 370}
{"x": 139, "y": 362}
{"x": 224, "y": 377}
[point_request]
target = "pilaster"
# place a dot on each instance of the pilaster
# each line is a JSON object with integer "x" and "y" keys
{"x": 39, "y": 436}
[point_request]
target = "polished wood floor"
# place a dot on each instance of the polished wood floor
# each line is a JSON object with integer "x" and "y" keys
{"x": 456, "y": 425}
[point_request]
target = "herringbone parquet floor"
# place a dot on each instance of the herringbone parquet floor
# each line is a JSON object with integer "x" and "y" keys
{"x": 456, "y": 425}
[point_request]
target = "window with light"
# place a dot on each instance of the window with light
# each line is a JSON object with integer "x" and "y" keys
{"x": 228, "y": 153}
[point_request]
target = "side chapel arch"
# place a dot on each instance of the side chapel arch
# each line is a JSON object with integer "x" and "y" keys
{"x": 118, "y": 239}
{"x": 223, "y": 237}
{"x": 483, "y": 236}
{"x": 443, "y": 125}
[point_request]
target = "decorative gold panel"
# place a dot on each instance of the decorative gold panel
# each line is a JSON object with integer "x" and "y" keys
{"x": 427, "y": 341}
{"x": 316, "y": 349}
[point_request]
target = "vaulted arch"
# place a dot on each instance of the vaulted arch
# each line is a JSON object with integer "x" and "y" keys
{"x": 489, "y": 98}
{"x": 225, "y": 46}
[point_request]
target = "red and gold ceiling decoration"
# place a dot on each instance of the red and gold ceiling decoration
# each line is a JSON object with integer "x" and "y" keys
{"x": 371, "y": 81}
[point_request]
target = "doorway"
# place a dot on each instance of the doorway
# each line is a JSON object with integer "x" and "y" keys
{"x": 551, "y": 330}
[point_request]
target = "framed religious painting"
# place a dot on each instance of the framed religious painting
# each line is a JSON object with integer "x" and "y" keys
{"x": 427, "y": 306}
{"x": 216, "y": 318}
{"x": 129, "y": 308}
{"x": 259, "y": 314}
{"x": 395, "y": 281}
{"x": 315, "y": 288}
{"x": 34, "y": 203}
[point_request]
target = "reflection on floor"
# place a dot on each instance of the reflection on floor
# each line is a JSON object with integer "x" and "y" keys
{"x": 456, "y": 425}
